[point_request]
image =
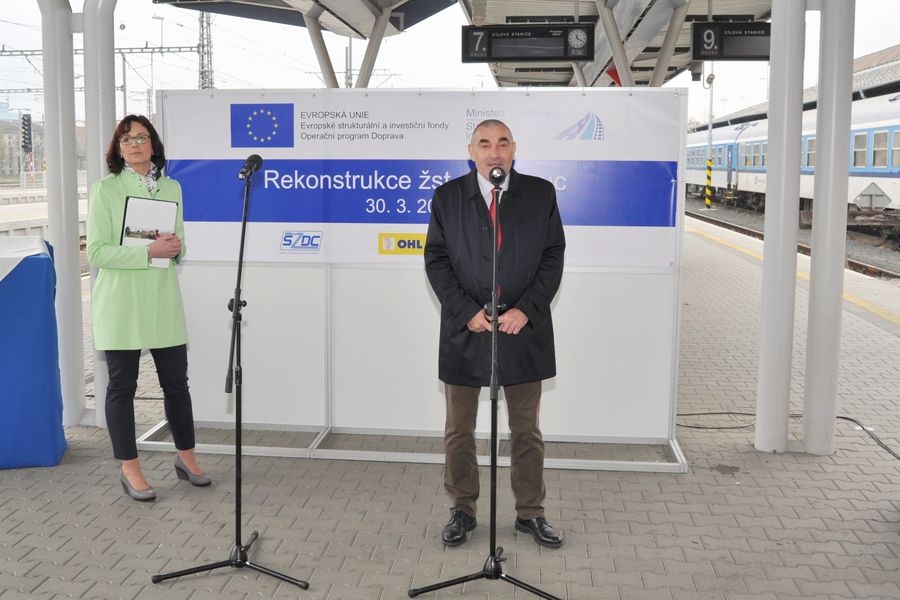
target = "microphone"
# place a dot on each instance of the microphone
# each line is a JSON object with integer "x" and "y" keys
{"x": 254, "y": 162}
{"x": 496, "y": 175}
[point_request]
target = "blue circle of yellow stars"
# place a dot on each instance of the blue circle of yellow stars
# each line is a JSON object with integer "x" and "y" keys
{"x": 262, "y": 125}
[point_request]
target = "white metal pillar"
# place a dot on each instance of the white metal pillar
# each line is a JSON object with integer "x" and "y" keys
{"x": 668, "y": 47}
{"x": 578, "y": 72}
{"x": 710, "y": 81}
{"x": 773, "y": 391}
{"x": 311, "y": 19}
{"x": 100, "y": 122}
{"x": 616, "y": 47}
{"x": 372, "y": 48}
{"x": 829, "y": 230}
{"x": 62, "y": 198}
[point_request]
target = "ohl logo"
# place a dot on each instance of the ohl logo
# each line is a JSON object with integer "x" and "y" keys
{"x": 401, "y": 243}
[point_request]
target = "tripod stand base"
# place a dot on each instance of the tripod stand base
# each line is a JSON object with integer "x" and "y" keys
{"x": 237, "y": 559}
{"x": 491, "y": 570}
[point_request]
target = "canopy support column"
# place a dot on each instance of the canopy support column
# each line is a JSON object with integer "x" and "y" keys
{"x": 62, "y": 195}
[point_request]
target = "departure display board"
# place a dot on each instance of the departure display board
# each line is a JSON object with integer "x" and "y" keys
{"x": 528, "y": 43}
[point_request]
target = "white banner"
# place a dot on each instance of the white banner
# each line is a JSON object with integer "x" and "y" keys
{"x": 341, "y": 326}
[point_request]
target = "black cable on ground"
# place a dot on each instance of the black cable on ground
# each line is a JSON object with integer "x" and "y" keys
{"x": 871, "y": 435}
{"x": 868, "y": 432}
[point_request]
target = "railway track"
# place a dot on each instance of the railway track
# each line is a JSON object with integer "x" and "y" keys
{"x": 852, "y": 264}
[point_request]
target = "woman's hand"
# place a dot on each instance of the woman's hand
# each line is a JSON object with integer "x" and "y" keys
{"x": 166, "y": 245}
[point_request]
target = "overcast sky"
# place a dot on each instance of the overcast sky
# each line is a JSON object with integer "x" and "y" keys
{"x": 251, "y": 54}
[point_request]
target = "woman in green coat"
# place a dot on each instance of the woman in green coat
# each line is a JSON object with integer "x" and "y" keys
{"x": 137, "y": 305}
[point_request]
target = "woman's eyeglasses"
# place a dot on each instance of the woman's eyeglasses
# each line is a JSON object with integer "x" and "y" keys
{"x": 134, "y": 140}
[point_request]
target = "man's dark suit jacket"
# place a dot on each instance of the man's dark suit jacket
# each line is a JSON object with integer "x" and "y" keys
{"x": 458, "y": 259}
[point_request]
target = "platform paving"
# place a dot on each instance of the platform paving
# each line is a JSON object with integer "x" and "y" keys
{"x": 739, "y": 525}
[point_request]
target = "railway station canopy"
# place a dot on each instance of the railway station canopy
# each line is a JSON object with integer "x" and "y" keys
{"x": 632, "y": 40}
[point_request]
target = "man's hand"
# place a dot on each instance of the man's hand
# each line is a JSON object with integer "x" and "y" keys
{"x": 512, "y": 321}
{"x": 479, "y": 323}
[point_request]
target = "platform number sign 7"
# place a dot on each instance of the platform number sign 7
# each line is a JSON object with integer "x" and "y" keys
{"x": 475, "y": 43}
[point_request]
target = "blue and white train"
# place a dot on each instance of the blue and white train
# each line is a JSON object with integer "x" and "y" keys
{"x": 739, "y": 154}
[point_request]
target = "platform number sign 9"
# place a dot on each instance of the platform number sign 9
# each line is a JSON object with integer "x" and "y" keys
{"x": 710, "y": 41}
{"x": 731, "y": 41}
{"x": 707, "y": 41}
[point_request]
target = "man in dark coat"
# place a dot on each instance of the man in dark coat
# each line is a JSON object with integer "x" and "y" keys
{"x": 458, "y": 261}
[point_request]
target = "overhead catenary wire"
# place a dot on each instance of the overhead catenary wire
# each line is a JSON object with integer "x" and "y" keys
{"x": 252, "y": 48}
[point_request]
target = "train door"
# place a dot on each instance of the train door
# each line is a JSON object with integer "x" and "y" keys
{"x": 730, "y": 161}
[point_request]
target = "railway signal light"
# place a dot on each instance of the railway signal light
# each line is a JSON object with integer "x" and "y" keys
{"x": 26, "y": 134}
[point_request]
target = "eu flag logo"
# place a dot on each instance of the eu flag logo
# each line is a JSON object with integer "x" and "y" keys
{"x": 262, "y": 125}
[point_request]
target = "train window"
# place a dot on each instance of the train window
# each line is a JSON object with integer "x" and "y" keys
{"x": 896, "y": 152}
{"x": 859, "y": 149}
{"x": 811, "y": 152}
{"x": 880, "y": 148}
{"x": 756, "y": 155}
{"x": 765, "y": 151}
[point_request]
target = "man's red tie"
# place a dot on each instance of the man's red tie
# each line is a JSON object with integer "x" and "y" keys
{"x": 494, "y": 193}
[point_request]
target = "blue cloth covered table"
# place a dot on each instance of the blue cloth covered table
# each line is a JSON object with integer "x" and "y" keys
{"x": 31, "y": 431}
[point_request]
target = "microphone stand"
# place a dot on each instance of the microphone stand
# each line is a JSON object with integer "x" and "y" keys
{"x": 492, "y": 568}
{"x": 238, "y": 557}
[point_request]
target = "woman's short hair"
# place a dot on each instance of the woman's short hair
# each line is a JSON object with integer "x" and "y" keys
{"x": 114, "y": 160}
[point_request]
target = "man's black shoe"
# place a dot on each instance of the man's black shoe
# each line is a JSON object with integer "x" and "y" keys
{"x": 541, "y": 530}
{"x": 455, "y": 531}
